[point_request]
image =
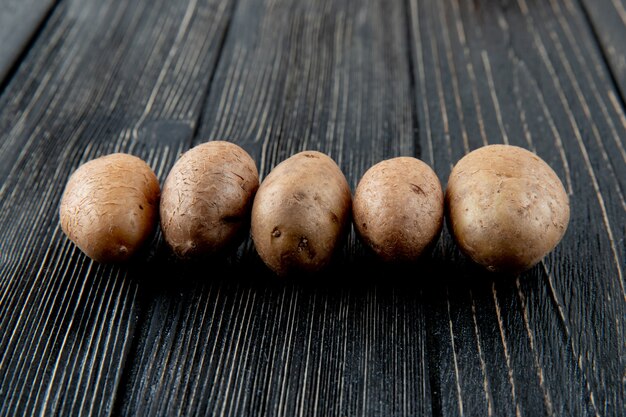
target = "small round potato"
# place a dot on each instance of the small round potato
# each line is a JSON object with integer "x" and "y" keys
{"x": 206, "y": 201}
{"x": 506, "y": 207}
{"x": 398, "y": 208}
{"x": 300, "y": 213}
{"x": 109, "y": 207}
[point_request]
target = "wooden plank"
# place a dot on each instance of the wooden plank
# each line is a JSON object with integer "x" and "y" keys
{"x": 19, "y": 22}
{"x": 608, "y": 19}
{"x": 326, "y": 75}
{"x": 332, "y": 76}
{"x": 102, "y": 77}
{"x": 552, "y": 341}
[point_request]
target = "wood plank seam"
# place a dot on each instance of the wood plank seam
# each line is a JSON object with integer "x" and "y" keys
{"x": 6, "y": 74}
{"x": 602, "y": 47}
{"x": 412, "y": 84}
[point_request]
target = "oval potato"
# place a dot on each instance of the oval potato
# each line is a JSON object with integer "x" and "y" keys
{"x": 300, "y": 213}
{"x": 207, "y": 197}
{"x": 506, "y": 207}
{"x": 398, "y": 208}
{"x": 109, "y": 207}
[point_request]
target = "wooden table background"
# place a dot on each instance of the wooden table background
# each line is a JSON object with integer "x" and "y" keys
{"x": 361, "y": 81}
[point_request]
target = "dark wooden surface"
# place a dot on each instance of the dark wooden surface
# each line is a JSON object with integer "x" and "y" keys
{"x": 361, "y": 81}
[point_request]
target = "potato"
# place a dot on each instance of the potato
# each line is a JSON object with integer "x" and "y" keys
{"x": 506, "y": 207}
{"x": 207, "y": 197}
{"x": 398, "y": 208}
{"x": 301, "y": 213}
{"x": 109, "y": 207}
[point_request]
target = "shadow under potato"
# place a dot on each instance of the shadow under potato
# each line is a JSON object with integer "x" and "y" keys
{"x": 443, "y": 266}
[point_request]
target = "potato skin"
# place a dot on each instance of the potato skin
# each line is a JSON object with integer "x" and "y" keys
{"x": 506, "y": 207}
{"x": 206, "y": 201}
{"x": 109, "y": 207}
{"x": 398, "y": 208}
{"x": 301, "y": 213}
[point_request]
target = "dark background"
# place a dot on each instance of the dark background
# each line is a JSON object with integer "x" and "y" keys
{"x": 361, "y": 81}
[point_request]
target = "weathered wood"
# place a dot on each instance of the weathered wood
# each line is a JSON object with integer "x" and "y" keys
{"x": 362, "y": 81}
{"x": 608, "y": 20}
{"x": 19, "y": 22}
{"x": 326, "y": 75}
{"x": 552, "y": 341}
{"x": 101, "y": 77}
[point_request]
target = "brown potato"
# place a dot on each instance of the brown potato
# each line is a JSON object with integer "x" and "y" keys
{"x": 109, "y": 207}
{"x": 398, "y": 208}
{"x": 301, "y": 213}
{"x": 206, "y": 201}
{"x": 506, "y": 207}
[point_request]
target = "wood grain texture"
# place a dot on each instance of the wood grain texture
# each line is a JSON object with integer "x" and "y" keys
{"x": 325, "y": 75}
{"x": 361, "y": 81}
{"x": 102, "y": 77}
{"x": 608, "y": 19}
{"x": 19, "y": 22}
{"x": 527, "y": 74}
